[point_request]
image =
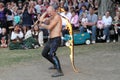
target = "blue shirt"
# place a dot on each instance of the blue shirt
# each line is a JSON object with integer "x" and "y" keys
{"x": 92, "y": 18}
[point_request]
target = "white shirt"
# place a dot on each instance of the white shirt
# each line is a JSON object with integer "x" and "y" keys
{"x": 38, "y": 8}
{"x": 28, "y": 34}
{"x": 0, "y": 30}
{"x": 107, "y": 21}
{"x": 67, "y": 16}
{"x": 15, "y": 35}
{"x": 84, "y": 20}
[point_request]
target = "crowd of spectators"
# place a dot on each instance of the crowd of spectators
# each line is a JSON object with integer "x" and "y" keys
{"x": 16, "y": 20}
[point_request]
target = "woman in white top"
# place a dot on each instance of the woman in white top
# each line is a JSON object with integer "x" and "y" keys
{"x": 16, "y": 38}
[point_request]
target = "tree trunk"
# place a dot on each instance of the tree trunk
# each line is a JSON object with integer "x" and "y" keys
{"x": 106, "y": 5}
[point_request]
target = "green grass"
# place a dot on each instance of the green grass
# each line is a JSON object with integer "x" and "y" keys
{"x": 10, "y": 57}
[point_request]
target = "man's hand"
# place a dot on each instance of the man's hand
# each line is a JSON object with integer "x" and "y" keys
{"x": 42, "y": 17}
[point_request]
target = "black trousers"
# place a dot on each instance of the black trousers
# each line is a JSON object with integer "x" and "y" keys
{"x": 49, "y": 51}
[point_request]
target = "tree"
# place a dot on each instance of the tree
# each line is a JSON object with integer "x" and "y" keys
{"x": 106, "y": 5}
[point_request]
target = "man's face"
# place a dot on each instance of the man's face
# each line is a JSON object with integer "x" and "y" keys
{"x": 39, "y": 2}
{"x": 91, "y": 11}
{"x": 50, "y": 11}
{"x": 107, "y": 14}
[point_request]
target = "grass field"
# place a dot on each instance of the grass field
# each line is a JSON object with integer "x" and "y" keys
{"x": 10, "y": 57}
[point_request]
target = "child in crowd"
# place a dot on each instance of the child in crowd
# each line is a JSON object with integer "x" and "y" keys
{"x": 84, "y": 22}
{"x": 3, "y": 38}
{"x": 17, "y": 18}
{"x": 100, "y": 26}
{"x": 116, "y": 22}
{"x": 100, "y": 23}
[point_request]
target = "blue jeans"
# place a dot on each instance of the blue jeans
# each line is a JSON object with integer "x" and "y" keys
{"x": 49, "y": 51}
{"x": 93, "y": 28}
{"x": 106, "y": 32}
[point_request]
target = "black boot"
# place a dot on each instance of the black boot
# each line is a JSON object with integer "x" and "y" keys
{"x": 52, "y": 67}
{"x": 58, "y": 74}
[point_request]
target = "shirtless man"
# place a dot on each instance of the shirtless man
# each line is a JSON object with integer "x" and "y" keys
{"x": 55, "y": 27}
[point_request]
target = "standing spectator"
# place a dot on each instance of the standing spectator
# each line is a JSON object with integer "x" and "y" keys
{"x": 96, "y": 7}
{"x": 91, "y": 3}
{"x": 10, "y": 15}
{"x": 27, "y": 19}
{"x": 3, "y": 19}
{"x": 17, "y": 18}
{"x": 83, "y": 3}
{"x": 45, "y": 6}
{"x": 54, "y": 2}
{"x": 20, "y": 6}
{"x": 92, "y": 20}
{"x": 107, "y": 19}
{"x": 70, "y": 4}
{"x": 76, "y": 5}
{"x": 38, "y": 7}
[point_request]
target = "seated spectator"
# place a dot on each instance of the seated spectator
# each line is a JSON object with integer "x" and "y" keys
{"x": 4, "y": 38}
{"x": 107, "y": 19}
{"x": 116, "y": 22}
{"x": 82, "y": 10}
{"x": 75, "y": 20}
{"x": 67, "y": 14}
{"x": 84, "y": 21}
{"x": 38, "y": 35}
{"x": 61, "y": 7}
{"x": 92, "y": 20}
{"x": 100, "y": 26}
{"x": 16, "y": 38}
{"x": 33, "y": 38}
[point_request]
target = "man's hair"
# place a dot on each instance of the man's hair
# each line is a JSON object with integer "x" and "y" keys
{"x": 55, "y": 6}
{"x": 92, "y": 8}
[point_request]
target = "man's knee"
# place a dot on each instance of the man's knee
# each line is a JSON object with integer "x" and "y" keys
{"x": 81, "y": 29}
{"x": 44, "y": 54}
{"x": 94, "y": 28}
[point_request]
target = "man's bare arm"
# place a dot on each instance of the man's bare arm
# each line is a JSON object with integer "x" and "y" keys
{"x": 52, "y": 23}
{"x": 43, "y": 17}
